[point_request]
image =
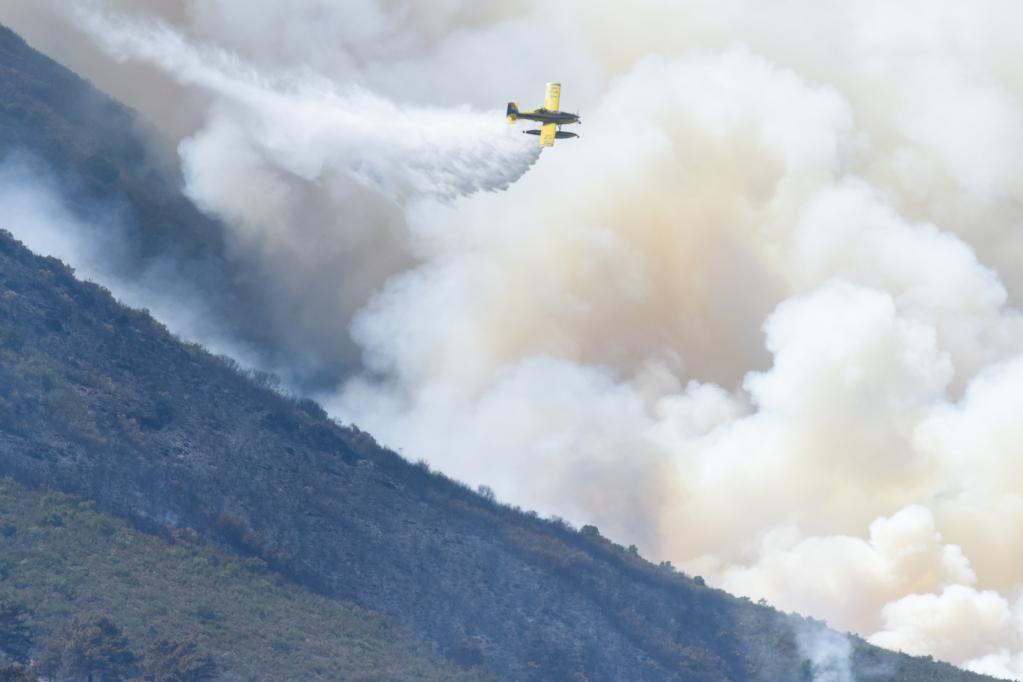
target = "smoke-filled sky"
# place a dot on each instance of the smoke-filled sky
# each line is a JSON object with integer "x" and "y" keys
{"x": 761, "y": 319}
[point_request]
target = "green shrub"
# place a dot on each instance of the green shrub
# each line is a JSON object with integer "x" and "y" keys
{"x": 92, "y": 646}
{"x": 167, "y": 661}
{"x": 206, "y": 614}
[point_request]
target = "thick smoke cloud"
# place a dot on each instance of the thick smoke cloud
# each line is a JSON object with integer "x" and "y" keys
{"x": 316, "y": 179}
{"x": 762, "y": 319}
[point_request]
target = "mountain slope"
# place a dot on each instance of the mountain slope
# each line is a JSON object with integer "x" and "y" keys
{"x": 100, "y": 401}
{"x": 112, "y": 167}
{"x": 61, "y": 557}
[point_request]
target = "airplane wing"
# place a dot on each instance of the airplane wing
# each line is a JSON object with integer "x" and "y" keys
{"x": 547, "y": 134}
{"x": 552, "y": 99}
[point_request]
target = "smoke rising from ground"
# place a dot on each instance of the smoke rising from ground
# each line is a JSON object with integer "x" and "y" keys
{"x": 829, "y": 654}
{"x": 762, "y": 319}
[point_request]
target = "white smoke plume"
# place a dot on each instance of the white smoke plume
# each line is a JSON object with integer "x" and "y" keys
{"x": 303, "y": 126}
{"x": 828, "y": 652}
{"x": 762, "y": 319}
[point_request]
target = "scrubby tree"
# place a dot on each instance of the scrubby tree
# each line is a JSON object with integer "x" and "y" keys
{"x": 92, "y": 648}
{"x": 15, "y": 631}
{"x": 17, "y": 673}
{"x": 178, "y": 662}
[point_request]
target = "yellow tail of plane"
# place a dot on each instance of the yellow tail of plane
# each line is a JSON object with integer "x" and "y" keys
{"x": 513, "y": 112}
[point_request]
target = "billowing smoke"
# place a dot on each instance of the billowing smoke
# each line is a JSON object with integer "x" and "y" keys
{"x": 761, "y": 319}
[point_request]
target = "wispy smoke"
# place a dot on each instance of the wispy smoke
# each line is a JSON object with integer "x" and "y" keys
{"x": 828, "y": 652}
{"x": 93, "y": 241}
{"x": 762, "y": 315}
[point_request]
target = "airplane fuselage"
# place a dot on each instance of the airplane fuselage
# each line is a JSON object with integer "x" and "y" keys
{"x": 544, "y": 116}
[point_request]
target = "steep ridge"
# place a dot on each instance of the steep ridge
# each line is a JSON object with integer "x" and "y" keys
{"x": 111, "y": 166}
{"x": 101, "y": 401}
{"x": 104, "y": 155}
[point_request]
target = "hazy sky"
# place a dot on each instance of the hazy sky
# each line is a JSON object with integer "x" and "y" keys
{"x": 760, "y": 319}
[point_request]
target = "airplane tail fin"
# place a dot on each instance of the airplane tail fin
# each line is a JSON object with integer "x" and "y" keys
{"x": 513, "y": 112}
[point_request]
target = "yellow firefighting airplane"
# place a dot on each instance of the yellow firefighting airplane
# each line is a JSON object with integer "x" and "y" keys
{"x": 548, "y": 115}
